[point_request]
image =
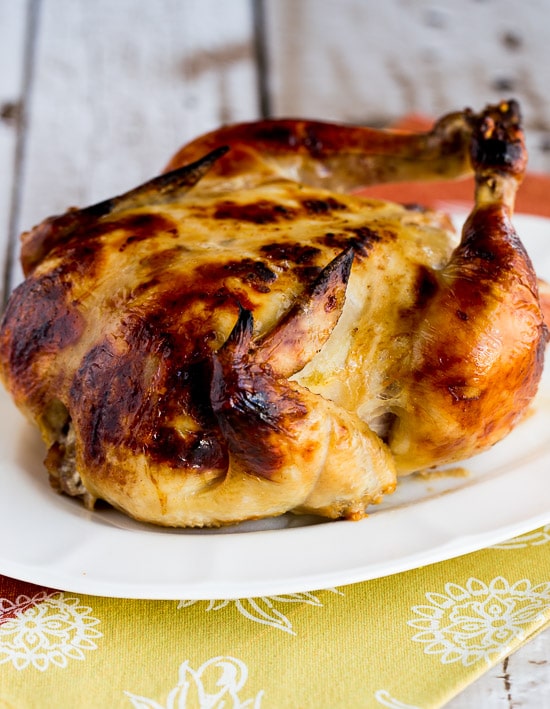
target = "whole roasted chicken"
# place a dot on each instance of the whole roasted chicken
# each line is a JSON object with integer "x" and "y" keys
{"x": 244, "y": 336}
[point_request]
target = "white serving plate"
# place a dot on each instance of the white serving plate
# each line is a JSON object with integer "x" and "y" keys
{"x": 52, "y": 540}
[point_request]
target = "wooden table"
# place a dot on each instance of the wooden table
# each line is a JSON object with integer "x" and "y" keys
{"x": 95, "y": 96}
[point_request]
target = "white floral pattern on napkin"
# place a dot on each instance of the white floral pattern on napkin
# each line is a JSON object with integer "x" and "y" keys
{"x": 263, "y": 609}
{"x": 216, "y": 684}
{"x": 45, "y": 629}
{"x": 478, "y": 621}
{"x": 535, "y": 539}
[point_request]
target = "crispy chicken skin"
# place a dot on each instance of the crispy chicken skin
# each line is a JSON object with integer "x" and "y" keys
{"x": 245, "y": 335}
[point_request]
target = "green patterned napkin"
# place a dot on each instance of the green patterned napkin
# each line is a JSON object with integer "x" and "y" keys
{"x": 406, "y": 641}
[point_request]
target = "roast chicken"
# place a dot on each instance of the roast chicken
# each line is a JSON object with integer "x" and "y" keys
{"x": 247, "y": 335}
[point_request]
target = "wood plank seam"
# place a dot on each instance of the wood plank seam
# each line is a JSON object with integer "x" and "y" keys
{"x": 261, "y": 57}
{"x": 22, "y": 117}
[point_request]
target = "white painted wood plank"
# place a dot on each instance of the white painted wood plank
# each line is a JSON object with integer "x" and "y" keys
{"x": 523, "y": 680}
{"x": 119, "y": 86}
{"x": 372, "y": 62}
{"x": 12, "y": 46}
{"x": 529, "y": 674}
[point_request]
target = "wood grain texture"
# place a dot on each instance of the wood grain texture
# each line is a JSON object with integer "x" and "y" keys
{"x": 13, "y": 52}
{"x": 370, "y": 62}
{"x": 522, "y": 680}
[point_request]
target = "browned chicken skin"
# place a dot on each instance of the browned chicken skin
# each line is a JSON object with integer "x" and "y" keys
{"x": 242, "y": 337}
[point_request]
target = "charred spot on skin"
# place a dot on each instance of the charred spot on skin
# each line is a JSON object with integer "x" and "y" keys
{"x": 262, "y": 460}
{"x": 275, "y": 133}
{"x": 128, "y": 242}
{"x": 261, "y": 212}
{"x": 265, "y": 411}
{"x": 163, "y": 322}
{"x": 44, "y": 320}
{"x": 331, "y": 303}
{"x": 82, "y": 249}
{"x": 118, "y": 406}
{"x": 290, "y": 252}
{"x": 307, "y": 274}
{"x": 137, "y": 238}
{"x": 496, "y": 153}
{"x": 76, "y": 227}
{"x": 189, "y": 305}
{"x": 322, "y": 206}
{"x": 361, "y": 239}
{"x": 482, "y": 253}
{"x": 312, "y": 142}
{"x": 255, "y": 274}
{"x": 200, "y": 451}
{"x": 105, "y": 391}
{"x": 461, "y": 315}
{"x": 141, "y": 226}
{"x": 79, "y": 258}
{"x": 185, "y": 305}
{"x": 145, "y": 286}
{"x": 426, "y": 287}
